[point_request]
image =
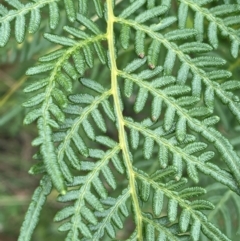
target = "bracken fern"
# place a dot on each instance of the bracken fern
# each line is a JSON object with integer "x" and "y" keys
{"x": 126, "y": 109}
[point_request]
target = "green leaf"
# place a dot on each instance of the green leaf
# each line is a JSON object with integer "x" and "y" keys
{"x": 212, "y": 34}
{"x": 70, "y": 8}
{"x": 225, "y": 9}
{"x": 164, "y": 23}
{"x": 32, "y": 116}
{"x": 109, "y": 177}
{"x": 195, "y": 230}
{"x": 178, "y": 164}
{"x": 191, "y": 192}
{"x": 134, "y": 137}
{"x": 132, "y": 8}
{"x": 99, "y": 188}
{"x": 153, "y": 53}
{"x": 88, "y": 23}
{"x": 20, "y": 25}
{"x": 65, "y": 82}
{"x": 98, "y": 119}
{"x": 202, "y": 204}
{"x": 100, "y": 52}
{"x": 59, "y": 97}
{"x": 41, "y": 68}
{"x": 181, "y": 128}
{"x": 76, "y": 32}
{"x": 88, "y": 215}
{"x": 198, "y": 25}
{"x": 32, "y": 216}
{"x": 106, "y": 141}
{"x": 150, "y": 232}
{"x": 156, "y": 108}
{"x": 169, "y": 118}
{"x": 150, "y": 4}
{"x": 98, "y": 8}
{"x": 94, "y": 202}
{"x": 148, "y": 147}
{"x": 92, "y": 85}
{"x": 180, "y": 34}
{"x": 172, "y": 210}
{"x": 34, "y": 20}
{"x": 87, "y": 51}
{"x": 182, "y": 15}
{"x": 89, "y": 130}
{"x": 85, "y": 230}
{"x": 134, "y": 65}
{"x": 235, "y": 48}
{"x": 206, "y": 61}
{"x": 232, "y": 20}
{"x": 160, "y": 174}
{"x": 83, "y": 6}
{"x": 184, "y": 220}
{"x": 183, "y": 74}
{"x": 108, "y": 109}
{"x": 219, "y": 74}
{"x": 231, "y": 85}
{"x": 194, "y": 47}
{"x": 157, "y": 202}
{"x": 187, "y": 100}
{"x": 209, "y": 97}
{"x": 51, "y": 56}
{"x": 163, "y": 156}
{"x": 125, "y": 36}
{"x": 4, "y": 33}
{"x": 78, "y": 141}
{"x": 151, "y": 13}
{"x": 59, "y": 40}
{"x": 118, "y": 164}
{"x": 141, "y": 100}
{"x": 54, "y": 15}
{"x": 145, "y": 191}
{"x": 139, "y": 43}
{"x": 35, "y": 100}
{"x": 169, "y": 62}
{"x": 176, "y": 90}
{"x": 79, "y": 62}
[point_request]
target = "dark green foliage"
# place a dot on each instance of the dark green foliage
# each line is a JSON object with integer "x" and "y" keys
{"x": 128, "y": 106}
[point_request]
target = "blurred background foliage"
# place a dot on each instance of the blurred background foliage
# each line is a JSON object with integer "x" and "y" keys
{"x": 17, "y": 186}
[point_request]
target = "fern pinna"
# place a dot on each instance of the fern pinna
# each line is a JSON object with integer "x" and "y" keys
{"x": 128, "y": 106}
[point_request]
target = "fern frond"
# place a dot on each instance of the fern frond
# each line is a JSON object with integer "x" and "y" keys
{"x": 196, "y": 65}
{"x": 32, "y": 46}
{"x": 226, "y": 209}
{"x": 19, "y": 14}
{"x": 35, "y": 207}
{"x": 217, "y": 20}
{"x": 84, "y": 193}
{"x": 111, "y": 216}
{"x": 221, "y": 144}
{"x": 83, "y": 121}
{"x": 192, "y": 208}
{"x": 181, "y": 155}
{"x": 162, "y": 232}
{"x": 20, "y": 11}
{"x": 123, "y": 147}
{"x": 54, "y": 99}
{"x": 199, "y": 75}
